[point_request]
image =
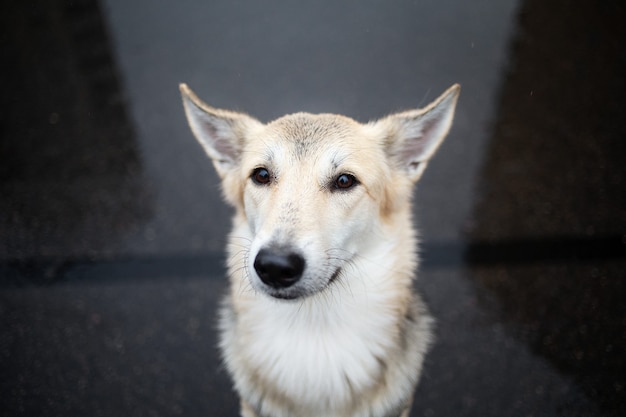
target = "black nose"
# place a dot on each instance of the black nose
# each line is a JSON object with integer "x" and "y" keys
{"x": 279, "y": 268}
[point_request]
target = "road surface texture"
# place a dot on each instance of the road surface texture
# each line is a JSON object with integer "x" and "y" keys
{"x": 112, "y": 229}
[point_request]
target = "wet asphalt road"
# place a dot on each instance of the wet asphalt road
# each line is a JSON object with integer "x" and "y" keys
{"x": 112, "y": 229}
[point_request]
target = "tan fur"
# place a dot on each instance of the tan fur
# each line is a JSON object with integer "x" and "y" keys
{"x": 348, "y": 339}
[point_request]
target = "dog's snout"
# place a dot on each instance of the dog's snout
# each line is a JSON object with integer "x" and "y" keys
{"x": 279, "y": 269}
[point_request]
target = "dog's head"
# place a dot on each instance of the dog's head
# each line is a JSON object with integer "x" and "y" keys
{"x": 315, "y": 190}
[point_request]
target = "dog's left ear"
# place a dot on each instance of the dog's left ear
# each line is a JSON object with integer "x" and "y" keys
{"x": 221, "y": 133}
{"x": 413, "y": 136}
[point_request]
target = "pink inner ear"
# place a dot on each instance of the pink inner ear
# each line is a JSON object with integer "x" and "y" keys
{"x": 423, "y": 135}
{"x": 415, "y": 145}
{"x": 220, "y": 140}
{"x": 430, "y": 136}
{"x": 420, "y": 132}
{"x": 215, "y": 134}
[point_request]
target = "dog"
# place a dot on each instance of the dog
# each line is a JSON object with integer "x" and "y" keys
{"x": 321, "y": 319}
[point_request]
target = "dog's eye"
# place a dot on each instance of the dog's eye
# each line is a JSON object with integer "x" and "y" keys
{"x": 345, "y": 181}
{"x": 261, "y": 176}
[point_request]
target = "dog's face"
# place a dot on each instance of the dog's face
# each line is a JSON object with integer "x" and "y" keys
{"x": 315, "y": 190}
{"x": 312, "y": 191}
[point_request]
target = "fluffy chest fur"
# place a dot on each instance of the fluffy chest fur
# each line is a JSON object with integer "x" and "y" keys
{"x": 363, "y": 338}
{"x": 319, "y": 354}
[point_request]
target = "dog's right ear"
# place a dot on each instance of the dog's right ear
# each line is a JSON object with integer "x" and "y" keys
{"x": 221, "y": 133}
{"x": 413, "y": 136}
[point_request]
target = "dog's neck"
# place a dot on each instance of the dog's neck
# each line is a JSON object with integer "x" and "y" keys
{"x": 350, "y": 327}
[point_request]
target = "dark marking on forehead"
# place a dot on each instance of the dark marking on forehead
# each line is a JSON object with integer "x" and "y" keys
{"x": 269, "y": 155}
{"x": 337, "y": 160}
{"x": 306, "y": 130}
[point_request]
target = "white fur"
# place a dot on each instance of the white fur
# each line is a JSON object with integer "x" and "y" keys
{"x": 349, "y": 337}
{"x": 310, "y": 348}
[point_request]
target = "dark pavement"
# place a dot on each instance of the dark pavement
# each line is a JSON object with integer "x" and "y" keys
{"x": 112, "y": 229}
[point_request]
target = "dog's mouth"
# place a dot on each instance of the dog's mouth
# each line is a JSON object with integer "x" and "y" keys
{"x": 293, "y": 294}
{"x": 287, "y": 297}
